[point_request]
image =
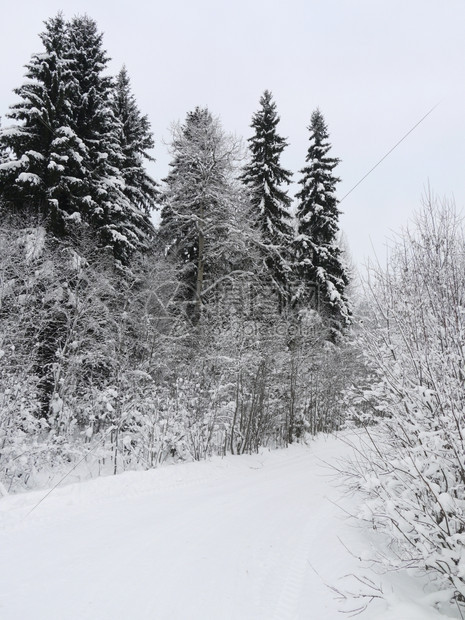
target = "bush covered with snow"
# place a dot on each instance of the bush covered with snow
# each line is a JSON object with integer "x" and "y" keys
{"x": 412, "y": 466}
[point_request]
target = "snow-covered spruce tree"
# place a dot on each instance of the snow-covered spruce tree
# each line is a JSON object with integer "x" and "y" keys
{"x": 318, "y": 256}
{"x": 38, "y": 147}
{"x": 64, "y": 168}
{"x": 33, "y": 183}
{"x": 64, "y": 152}
{"x": 135, "y": 141}
{"x": 265, "y": 178}
{"x": 119, "y": 221}
{"x": 411, "y": 469}
{"x": 198, "y": 204}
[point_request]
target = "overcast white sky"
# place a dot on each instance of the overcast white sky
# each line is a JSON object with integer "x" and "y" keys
{"x": 373, "y": 67}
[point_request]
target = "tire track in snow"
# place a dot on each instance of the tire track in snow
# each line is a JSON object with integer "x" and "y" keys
{"x": 288, "y": 602}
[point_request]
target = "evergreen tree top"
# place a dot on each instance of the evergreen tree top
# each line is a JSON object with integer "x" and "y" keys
{"x": 317, "y": 196}
{"x": 266, "y": 144}
{"x": 135, "y": 140}
{"x": 136, "y": 126}
{"x": 53, "y": 37}
{"x": 264, "y": 175}
{"x": 267, "y": 115}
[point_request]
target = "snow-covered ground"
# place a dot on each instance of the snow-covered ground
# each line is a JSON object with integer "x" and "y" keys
{"x": 247, "y": 538}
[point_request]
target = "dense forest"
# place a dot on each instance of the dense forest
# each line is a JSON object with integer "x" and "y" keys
{"x": 229, "y": 326}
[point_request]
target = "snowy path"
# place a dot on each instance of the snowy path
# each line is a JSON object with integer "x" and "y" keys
{"x": 246, "y": 538}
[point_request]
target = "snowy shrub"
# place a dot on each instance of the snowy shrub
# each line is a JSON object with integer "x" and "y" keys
{"x": 411, "y": 469}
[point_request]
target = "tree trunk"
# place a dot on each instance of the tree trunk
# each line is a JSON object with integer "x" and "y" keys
{"x": 200, "y": 273}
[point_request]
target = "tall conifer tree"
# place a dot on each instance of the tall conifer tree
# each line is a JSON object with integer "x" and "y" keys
{"x": 136, "y": 140}
{"x": 65, "y": 156}
{"x": 198, "y": 202}
{"x": 318, "y": 255}
{"x": 120, "y": 223}
{"x": 265, "y": 178}
{"x": 29, "y": 177}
